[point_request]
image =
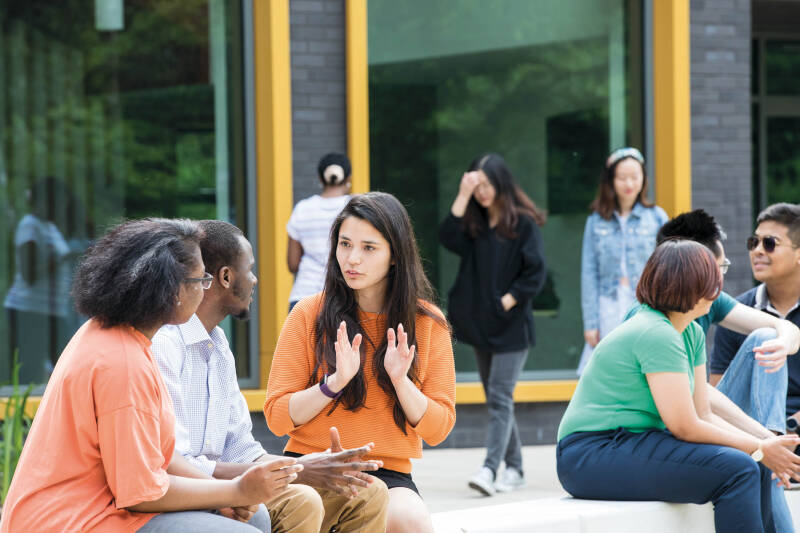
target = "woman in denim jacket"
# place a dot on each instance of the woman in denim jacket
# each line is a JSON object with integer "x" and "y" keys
{"x": 618, "y": 239}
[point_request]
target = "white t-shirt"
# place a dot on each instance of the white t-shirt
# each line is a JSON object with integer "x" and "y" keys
{"x": 49, "y": 293}
{"x": 310, "y": 225}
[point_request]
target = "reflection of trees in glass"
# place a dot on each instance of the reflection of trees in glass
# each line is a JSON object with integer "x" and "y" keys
{"x": 783, "y": 160}
{"x": 126, "y": 101}
{"x": 407, "y": 158}
{"x": 781, "y": 65}
{"x": 544, "y": 108}
{"x": 576, "y": 150}
{"x": 127, "y": 119}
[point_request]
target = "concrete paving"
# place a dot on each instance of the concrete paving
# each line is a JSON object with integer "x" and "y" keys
{"x": 442, "y": 476}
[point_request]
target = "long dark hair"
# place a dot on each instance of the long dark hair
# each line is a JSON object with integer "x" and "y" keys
{"x": 605, "y": 202}
{"x": 407, "y": 287}
{"x": 512, "y": 200}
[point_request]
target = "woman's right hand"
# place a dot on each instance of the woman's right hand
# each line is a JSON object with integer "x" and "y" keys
{"x": 592, "y": 337}
{"x": 469, "y": 181}
{"x": 348, "y": 359}
{"x": 779, "y": 457}
{"x": 264, "y": 481}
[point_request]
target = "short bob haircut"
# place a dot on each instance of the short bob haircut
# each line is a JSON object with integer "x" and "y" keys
{"x": 678, "y": 275}
{"x": 605, "y": 202}
{"x": 133, "y": 274}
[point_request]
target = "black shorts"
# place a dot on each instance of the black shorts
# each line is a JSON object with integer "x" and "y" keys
{"x": 392, "y": 478}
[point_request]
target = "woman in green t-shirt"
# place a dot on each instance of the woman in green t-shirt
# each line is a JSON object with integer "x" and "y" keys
{"x": 637, "y": 428}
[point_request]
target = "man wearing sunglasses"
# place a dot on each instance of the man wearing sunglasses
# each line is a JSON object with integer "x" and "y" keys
{"x": 746, "y": 368}
{"x": 775, "y": 262}
{"x": 213, "y": 427}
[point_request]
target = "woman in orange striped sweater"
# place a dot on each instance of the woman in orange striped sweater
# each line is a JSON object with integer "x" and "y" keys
{"x": 370, "y": 355}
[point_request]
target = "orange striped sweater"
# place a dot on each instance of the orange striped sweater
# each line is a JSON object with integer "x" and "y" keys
{"x": 294, "y": 361}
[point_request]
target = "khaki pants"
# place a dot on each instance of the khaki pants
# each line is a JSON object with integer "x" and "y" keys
{"x": 302, "y": 509}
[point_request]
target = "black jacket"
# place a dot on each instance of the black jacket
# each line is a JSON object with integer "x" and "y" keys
{"x": 490, "y": 267}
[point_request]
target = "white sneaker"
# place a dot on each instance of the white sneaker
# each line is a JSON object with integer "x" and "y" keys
{"x": 511, "y": 479}
{"x": 483, "y": 481}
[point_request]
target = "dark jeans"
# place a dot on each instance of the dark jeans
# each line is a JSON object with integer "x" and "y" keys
{"x": 499, "y": 374}
{"x": 654, "y": 465}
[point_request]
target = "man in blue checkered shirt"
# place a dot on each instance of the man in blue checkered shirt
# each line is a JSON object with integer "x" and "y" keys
{"x": 213, "y": 426}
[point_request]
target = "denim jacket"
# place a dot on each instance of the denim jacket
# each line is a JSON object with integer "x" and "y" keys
{"x": 602, "y": 255}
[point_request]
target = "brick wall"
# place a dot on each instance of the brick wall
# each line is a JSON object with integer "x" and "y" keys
{"x": 318, "y": 88}
{"x": 721, "y": 124}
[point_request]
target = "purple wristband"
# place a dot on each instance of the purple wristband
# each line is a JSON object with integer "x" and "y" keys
{"x": 323, "y": 386}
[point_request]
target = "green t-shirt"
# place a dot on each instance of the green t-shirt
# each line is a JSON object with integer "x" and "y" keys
{"x": 719, "y": 310}
{"x": 613, "y": 390}
{"x": 723, "y": 305}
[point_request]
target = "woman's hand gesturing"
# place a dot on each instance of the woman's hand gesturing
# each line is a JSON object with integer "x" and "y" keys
{"x": 398, "y": 355}
{"x": 348, "y": 359}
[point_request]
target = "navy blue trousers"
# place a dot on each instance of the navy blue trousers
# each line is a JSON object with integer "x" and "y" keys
{"x": 654, "y": 465}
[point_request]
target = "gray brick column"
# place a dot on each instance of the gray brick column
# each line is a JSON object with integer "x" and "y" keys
{"x": 721, "y": 118}
{"x": 319, "y": 124}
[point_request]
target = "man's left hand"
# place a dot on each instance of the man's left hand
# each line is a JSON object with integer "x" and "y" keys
{"x": 337, "y": 469}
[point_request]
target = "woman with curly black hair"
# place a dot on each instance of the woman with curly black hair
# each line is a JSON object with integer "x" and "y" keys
{"x": 99, "y": 455}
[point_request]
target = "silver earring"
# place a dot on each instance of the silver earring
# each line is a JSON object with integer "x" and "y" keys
{"x": 179, "y": 302}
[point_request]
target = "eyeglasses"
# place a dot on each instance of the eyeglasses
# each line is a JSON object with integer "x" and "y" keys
{"x": 723, "y": 268}
{"x": 205, "y": 281}
{"x": 768, "y": 242}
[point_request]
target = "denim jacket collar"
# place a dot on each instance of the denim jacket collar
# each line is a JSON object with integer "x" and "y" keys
{"x": 637, "y": 211}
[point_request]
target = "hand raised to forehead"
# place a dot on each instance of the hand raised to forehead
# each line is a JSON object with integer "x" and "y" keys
{"x": 399, "y": 356}
{"x": 469, "y": 181}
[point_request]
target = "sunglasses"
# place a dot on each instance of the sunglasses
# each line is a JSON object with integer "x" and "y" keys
{"x": 768, "y": 242}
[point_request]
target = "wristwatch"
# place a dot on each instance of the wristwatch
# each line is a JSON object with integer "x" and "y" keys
{"x": 758, "y": 455}
{"x": 323, "y": 386}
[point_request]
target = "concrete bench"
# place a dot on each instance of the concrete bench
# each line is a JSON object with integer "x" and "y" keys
{"x": 568, "y": 515}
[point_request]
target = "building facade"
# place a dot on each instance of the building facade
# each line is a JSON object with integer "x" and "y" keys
{"x": 221, "y": 108}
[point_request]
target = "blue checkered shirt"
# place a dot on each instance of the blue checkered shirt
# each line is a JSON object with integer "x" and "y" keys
{"x": 212, "y": 422}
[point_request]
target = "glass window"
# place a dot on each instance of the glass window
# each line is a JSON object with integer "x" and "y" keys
{"x": 781, "y": 64}
{"x": 783, "y": 159}
{"x": 109, "y": 109}
{"x": 551, "y": 85}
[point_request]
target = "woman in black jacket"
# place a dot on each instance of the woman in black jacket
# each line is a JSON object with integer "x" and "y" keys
{"x": 493, "y": 227}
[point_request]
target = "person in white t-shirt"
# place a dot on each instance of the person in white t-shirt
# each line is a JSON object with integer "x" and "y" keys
{"x": 38, "y": 305}
{"x": 309, "y": 227}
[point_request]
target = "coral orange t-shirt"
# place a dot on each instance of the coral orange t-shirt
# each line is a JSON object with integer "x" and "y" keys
{"x": 294, "y": 362}
{"x": 101, "y": 440}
